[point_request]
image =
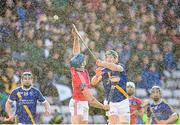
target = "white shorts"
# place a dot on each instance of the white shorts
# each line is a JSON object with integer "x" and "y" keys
{"x": 79, "y": 108}
{"x": 119, "y": 108}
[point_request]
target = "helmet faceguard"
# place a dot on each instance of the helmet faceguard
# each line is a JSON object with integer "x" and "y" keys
{"x": 77, "y": 60}
{"x": 113, "y": 53}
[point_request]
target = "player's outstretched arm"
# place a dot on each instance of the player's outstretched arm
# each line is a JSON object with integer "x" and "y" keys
{"x": 97, "y": 77}
{"x": 95, "y": 80}
{"x": 76, "y": 43}
{"x": 111, "y": 66}
{"x": 93, "y": 101}
{"x": 47, "y": 108}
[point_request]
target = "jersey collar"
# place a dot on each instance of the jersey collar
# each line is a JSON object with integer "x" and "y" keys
{"x": 26, "y": 89}
{"x": 157, "y": 102}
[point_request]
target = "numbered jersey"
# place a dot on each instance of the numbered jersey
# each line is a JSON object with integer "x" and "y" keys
{"x": 80, "y": 81}
{"x": 28, "y": 98}
{"x": 161, "y": 110}
{"x": 115, "y": 95}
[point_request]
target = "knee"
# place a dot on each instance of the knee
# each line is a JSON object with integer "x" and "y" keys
{"x": 124, "y": 119}
{"x": 113, "y": 119}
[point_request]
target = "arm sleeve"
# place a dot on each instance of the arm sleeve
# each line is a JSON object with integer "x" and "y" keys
{"x": 13, "y": 96}
{"x": 123, "y": 66}
{"x": 168, "y": 110}
{"x": 41, "y": 97}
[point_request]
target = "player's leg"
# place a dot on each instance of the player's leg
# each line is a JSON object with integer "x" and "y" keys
{"x": 113, "y": 114}
{"x": 76, "y": 119}
{"x": 113, "y": 119}
{"x": 84, "y": 111}
{"x": 124, "y": 112}
{"x": 84, "y": 122}
{"x": 79, "y": 112}
{"x": 124, "y": 119}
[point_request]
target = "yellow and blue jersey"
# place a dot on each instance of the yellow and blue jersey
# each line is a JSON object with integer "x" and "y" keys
{"x": 115, "y": 95}
{"x": 26, "y": 101}
{"x": 162, "y": 111}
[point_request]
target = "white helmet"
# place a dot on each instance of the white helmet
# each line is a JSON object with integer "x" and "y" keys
{"x": 156, "y": 87}
{"x": 130, "y": 84}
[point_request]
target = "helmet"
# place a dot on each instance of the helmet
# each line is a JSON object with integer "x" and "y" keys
{"x": 130, "y": 84}
{"x": 77, "y": 60}
{"x": 156, "y": 87}
{"x": 112, "y": 52}
{"x": 26, "y": 74}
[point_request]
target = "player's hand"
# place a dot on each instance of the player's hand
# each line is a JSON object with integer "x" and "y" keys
{"x": 10, "y": 118}
{"x": 98, "y": 72}
{"x": 160, "y": 121}
{"x": 99, "y": 63}
{"x": 106, "y": 107}
{"x": 2, "y": 118}
{"x": 46, "y": 113}
{"x": 74, "y": 35}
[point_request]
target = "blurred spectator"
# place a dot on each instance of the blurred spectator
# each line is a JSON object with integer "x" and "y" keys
{"x": 125, "y": 54}
{"x": 33, "y": 50}
{"x": 133, "y": 39}
{"x": 140, "y": 49}
{"x": 8, "y": 80}
{"x": 119, "y": 49}
{"x": 48, "y": 46}
{"x": 3, "y": 98}
{"x": 145, "y": 62}
{"x": 151, "y": 35}
{"x": 155, "y": 49}
{"x": 54, "y": 61}
{"x": 21, "y": 12}
{"x": 151, "y": 77}
{"x": 133, "y": 68}
{"x": 47, "y": 87}
{"x": 168, "y": 57}
{"x": 159, "y": 62}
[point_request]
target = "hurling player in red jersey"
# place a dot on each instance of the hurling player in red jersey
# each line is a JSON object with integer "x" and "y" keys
{"x": 78, "y": 105}
{"x": 135, "y": 103}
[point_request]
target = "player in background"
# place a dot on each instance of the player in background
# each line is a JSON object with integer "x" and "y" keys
{"x": 26, "y": 97}
{"x": 114, "y": 80}
{"x": 135, "y": 103}
{"x": 158, "y": 111}
{"x": 81, "y": 85}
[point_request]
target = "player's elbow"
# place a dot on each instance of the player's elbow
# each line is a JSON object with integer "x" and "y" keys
{"x": 173, "y": 118}
{"x": 46, "y": 104}
{"x": 119, "y": 68}
{"x": 93, "y": 82}
{"x": 87, "y": 95}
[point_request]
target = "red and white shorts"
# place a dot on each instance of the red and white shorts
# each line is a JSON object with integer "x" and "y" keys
{"x": 79, "y": 108}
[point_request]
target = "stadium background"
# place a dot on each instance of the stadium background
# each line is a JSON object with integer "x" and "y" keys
{"x": 35, "y": 35}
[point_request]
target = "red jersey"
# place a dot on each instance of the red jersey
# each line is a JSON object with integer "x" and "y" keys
{"x": 135, "y": 104}
{"x": 77, "y": 83}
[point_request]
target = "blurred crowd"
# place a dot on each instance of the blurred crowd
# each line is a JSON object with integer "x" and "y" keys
{"x": 36, "y": 35}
